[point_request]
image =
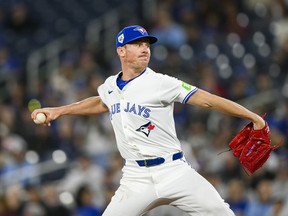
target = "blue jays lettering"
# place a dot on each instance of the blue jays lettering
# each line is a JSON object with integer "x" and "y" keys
{"x": 130, "y": 108}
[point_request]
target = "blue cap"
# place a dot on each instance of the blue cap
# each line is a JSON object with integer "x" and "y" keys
{"x": 132, "y": 33}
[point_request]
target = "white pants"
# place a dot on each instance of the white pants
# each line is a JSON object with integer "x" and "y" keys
{"x": 172, "y": 183}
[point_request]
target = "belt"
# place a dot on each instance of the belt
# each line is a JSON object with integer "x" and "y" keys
{"x": 158, "y": 160}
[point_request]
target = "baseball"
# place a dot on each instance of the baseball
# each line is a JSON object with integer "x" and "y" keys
{"x": 40, "y": 118}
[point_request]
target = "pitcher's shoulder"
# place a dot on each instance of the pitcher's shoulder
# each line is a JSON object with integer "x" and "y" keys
{"x": 153, "y": 73}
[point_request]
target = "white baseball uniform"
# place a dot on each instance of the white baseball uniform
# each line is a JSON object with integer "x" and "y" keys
{"x": 155, "y": 170}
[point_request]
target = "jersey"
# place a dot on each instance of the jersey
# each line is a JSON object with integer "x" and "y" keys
{"x": 142, "y": 113}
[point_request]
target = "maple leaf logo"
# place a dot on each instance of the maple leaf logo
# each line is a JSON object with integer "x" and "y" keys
{"x": 151, "y": 127}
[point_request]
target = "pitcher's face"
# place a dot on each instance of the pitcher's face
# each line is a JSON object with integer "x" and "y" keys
{"x": 137, "y": 53}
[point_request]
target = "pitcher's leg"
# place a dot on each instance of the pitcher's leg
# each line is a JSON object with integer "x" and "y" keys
{"x": 130, "y": 201}
{"x": 200, "y": 198}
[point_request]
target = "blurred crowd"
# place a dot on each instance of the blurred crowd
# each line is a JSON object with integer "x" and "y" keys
{"x": 235, "y": 49}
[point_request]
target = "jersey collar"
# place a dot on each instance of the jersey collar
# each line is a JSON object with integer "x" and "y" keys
{"x": 122, "y": 83}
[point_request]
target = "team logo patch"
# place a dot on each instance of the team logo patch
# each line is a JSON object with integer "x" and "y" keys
{"x": 141, "y": 30}
{"x": 146, "y": 128}
{"x": 186, "y": 86}
{"x": 121, "y": 38}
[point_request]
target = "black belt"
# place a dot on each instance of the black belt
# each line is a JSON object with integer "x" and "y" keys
{"x": 158, "y": 160}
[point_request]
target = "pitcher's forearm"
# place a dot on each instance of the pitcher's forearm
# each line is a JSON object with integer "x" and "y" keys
{"x": 89, "y": 106}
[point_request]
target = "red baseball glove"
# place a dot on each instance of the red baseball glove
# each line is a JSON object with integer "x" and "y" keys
{"x": 252, "y": 147}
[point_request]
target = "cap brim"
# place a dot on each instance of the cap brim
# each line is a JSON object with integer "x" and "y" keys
{"x": 151, "y": 39}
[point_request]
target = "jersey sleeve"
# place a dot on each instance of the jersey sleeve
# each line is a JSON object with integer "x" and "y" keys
{"x": 101, "y": 92}
{"x": 175, "y": 90}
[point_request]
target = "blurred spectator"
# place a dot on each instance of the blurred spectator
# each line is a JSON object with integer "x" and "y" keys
{"x": 99, "y": 142}
{"x": 20, "y": 22}
{"x": 2, "y": 22}
{"x": 13, "y": 198}
{"x": 10, "y": 72}
{"x": 190, "y": 156}
{"x": 169, "y": 33}
{"x": 215, "y": 160}
{"x": 88, "y": 74}
{"x": 283, "y": 117}
{"x": 210, "y": 18}
{"x": 283, "y": 211}
{"x": 264, "y": 82}
{"x": 277, "y": 209}
{"x": 199, "y": 142}
{"x": 62, "y": 81}
{"x": 231, "y": 19}
{"x": 237, "y": 196}
{"x": 280, "y": 182}
{"x": 84, "y": 171}
{"x": 53, "y": 205}
{"x": 4, "y": 210}
{"x": 19, "y": 169}
{"x": 41, "y": 141}
{"x": 262, "y": 203}
{"x": 197, "y": 135}
{"x": 208, "y": 80}
{"x": 113, "y": 173}
{"x": 8, "y": 119}
{"x": 66, "y": 138}
{"x": 85, "y": 205}
{"x": 240, "y": 88}
{"x": 231, "y": 168}
{"x": 33, "y": 204}
{"x": 281, "y": 54}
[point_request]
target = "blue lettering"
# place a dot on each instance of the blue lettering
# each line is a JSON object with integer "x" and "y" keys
{"x": 112, "y": 109}
{"x": 127, "y": 108}
{"x": 118, "y": 108}
{"x": 146, "y": 113}
{"x": 140, "y": 109}
{"x": 115, "y": 108}
{"x": 133, "y": 109}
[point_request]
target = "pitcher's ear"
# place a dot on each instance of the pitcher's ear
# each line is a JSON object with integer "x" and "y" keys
{"x": 120, "y": 51}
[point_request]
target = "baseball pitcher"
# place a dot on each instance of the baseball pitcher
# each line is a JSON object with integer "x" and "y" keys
{"x": 140, "y": 104}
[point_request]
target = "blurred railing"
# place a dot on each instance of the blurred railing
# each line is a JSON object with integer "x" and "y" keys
{"x": 31, "y": 173}
{"x": 100, "y": 32}
{"x": 44, "y": 60}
